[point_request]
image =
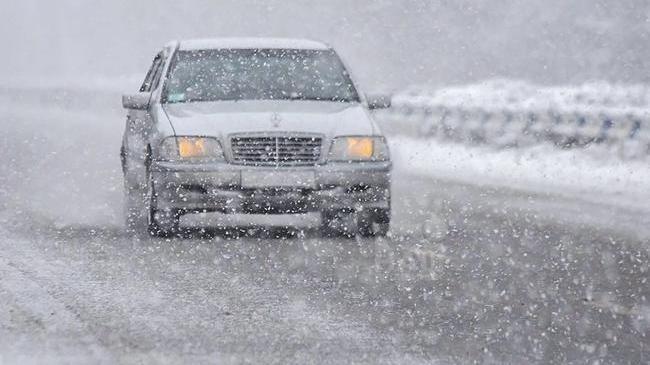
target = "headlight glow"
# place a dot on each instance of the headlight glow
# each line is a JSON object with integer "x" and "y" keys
{"x": 192, "y": 147}
{"x": 187, "y": 148}
{"x": 361, "y": 148}
{"x": 355, "y": 148}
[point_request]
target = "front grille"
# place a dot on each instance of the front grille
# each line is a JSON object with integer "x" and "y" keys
{"x": 275, "y": 151}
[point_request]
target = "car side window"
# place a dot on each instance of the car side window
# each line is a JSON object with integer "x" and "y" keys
{"x": 158, "y": 74}
{"x": 149, "y": 79}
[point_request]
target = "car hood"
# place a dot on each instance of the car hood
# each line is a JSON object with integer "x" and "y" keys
{"x": 220, "y": 119}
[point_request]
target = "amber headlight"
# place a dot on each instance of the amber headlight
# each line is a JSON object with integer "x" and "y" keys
{"x": 359, "y": 149}
{"x": 198, "y": 149}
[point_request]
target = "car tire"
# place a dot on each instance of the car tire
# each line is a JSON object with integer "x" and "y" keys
{"x": 374, "y": 223}
{"x": 164, "y": 223}
{"x": 135, "y": 209}
{"x": 160, "y": 222}
{"x": 340, "y": 223}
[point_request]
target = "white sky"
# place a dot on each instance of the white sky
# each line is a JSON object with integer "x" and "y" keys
{"x": 388, "y": 43}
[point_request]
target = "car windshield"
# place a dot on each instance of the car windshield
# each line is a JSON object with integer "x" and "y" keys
{"x": 258, "y": 74}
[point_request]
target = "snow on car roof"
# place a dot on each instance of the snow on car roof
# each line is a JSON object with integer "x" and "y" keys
{"x": 251, "y": 43}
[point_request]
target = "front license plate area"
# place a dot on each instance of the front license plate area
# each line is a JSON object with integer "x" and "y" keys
{"x": 277, "y": 178}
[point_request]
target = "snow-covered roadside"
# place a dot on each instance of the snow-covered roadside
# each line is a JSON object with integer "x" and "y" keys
{"x": 512, "y": 94}
{"x": 540, "y": 169}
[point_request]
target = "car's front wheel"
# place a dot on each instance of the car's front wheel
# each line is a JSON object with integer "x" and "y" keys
{"x": 135, "y": 209}
{"x": 160, "y": 222}
{"x": 142, "y": 214}
{"x": 347, "y": 223}
{"x": 374, "y": 223}
{"x": 338, "y": 223}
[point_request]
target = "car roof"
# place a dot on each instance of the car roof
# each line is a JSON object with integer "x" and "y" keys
{"x": 250, "y": 43}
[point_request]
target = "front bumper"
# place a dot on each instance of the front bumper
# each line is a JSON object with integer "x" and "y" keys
{"x": 224, "y": 188}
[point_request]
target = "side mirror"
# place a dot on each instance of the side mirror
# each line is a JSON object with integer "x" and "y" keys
{"x": 137, "y": 101}
{"x": 378, "y": 101}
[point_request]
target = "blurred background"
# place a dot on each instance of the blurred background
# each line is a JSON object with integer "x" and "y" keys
{"x": 389, "y": 44}
{"x": 520, "y": 136}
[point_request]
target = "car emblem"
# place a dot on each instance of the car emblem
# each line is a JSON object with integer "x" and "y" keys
{"x": 276, "y": 119}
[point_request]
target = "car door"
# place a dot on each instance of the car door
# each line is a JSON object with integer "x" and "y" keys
{"x": 138, "y": 128}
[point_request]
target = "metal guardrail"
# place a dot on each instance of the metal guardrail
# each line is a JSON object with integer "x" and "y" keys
{"x": 625, "y": 133}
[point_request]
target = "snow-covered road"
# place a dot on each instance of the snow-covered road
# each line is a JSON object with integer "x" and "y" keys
{"x": 472, "y": 271}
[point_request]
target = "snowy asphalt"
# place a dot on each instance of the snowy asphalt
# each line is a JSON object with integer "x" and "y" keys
{"x": 469, "y": 273}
